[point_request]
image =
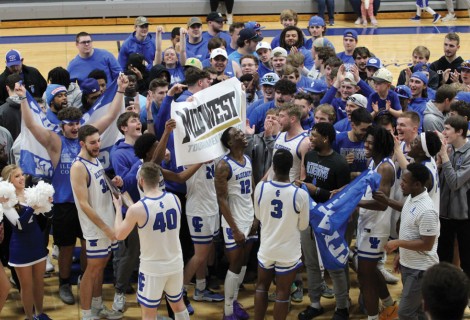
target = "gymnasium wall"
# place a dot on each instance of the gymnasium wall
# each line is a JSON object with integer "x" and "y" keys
{"x": 73, "y": 9}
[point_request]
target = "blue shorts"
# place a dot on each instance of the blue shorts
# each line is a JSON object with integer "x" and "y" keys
{"x": 422, "y": 3}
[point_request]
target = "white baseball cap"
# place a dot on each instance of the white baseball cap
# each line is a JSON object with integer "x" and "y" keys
{"x": 219, "y": 52}
{"x": 263, "y": 45}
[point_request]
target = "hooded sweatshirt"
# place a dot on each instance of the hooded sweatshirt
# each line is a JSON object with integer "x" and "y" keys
{"x": 123, "y": 158}
{"x": 433, "y": 118}
{"x": 146, "y": 48}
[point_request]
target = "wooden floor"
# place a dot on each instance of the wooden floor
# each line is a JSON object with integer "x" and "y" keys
{"x": 395, "y": 49}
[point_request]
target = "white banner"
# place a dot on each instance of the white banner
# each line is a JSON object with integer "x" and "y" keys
{"x": 201, "y": 122}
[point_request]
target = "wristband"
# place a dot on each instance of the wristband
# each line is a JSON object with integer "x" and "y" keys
{"x": 120, "y": 92}
{"x": 22, "y": 98}
{"x": 149, "y": 120}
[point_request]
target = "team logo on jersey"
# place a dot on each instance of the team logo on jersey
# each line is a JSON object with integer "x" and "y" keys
{"x": 278, "y": 193}
{"x": 161, "y": 205}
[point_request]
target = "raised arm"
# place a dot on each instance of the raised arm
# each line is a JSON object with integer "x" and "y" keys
{"x": 47, "y": 138}
{"x": 116, "y": 105}
{"x": 158, "y": 44}
{"x": 79, "y": 178}
{"x": 183, "y": 176}
{"x": 122, "y": 227}
{"x": 183, "y": 33}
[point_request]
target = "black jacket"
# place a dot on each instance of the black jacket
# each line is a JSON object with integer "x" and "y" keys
{"x": 32, "y": 80}
{"x": 10, "y": 117}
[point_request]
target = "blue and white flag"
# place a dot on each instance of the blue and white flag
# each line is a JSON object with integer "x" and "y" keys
{"x": 330, "y": 219}
{"x": 34, "y": 158}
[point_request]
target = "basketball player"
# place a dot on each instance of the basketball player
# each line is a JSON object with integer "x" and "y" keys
{"x": 158, "y": 217}
{"x": 374, "y": 226}
{"x": 233, "y": 185}
{"x": 283, "y": 211}
{"x": 62, "y": 149}
{"x": 96, "y": 214}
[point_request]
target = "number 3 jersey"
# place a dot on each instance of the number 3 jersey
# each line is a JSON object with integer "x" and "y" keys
{"x": 99, "y": 198}
{"x": 239, "y": 191}
{"x": 160, "y": 247}
{"x": 283, "y": 210}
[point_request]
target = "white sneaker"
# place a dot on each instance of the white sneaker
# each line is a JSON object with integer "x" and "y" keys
{"x": 119, "y": 301}
{"x": 389, "y": 278}
{"x": 106, "y": 313}
{"x": 358, "y": 21}
{"x": 449, "y": 17}
{"x": 55, "y": 252}
{"x": 229, "y": 18}
{"x": 49, "y": 265}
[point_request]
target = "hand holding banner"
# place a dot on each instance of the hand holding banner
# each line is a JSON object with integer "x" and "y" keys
{"x": 201, "y": 122}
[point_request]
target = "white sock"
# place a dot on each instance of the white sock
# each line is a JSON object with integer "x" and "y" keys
{"x": 430, "y": 10}
{"x": 200, "y": 284}
{"x": 450, "y": 6}
{"x": 231, "y": 283}
{"x": 86, "y": 313}
{"x": 316, "y": 305}
{"x": 183, "y": 315}
{"x": 96, "y": 302}
{"x": 376, "y": 317}
{"x": 241, "y": 276}
{"x": 387, "y": 302}
{"x": 418, "y": 11}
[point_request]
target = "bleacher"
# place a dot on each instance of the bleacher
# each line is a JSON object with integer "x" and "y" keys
{"x": 73, "y": 9}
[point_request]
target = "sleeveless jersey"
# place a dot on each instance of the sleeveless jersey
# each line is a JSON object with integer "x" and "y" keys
{"x": 201, "y": 186}
{"x": 292, "y": 145}
{"x": 61, "y": 176}
{"x": 239, "y": 192}
{"x": 99, "y": 198}
{"x": 378, "y": 222}
{"x": 279, "y": 207}
{"x": 160, "y": 247}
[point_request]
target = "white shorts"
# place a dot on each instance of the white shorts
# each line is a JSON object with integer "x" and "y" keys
{"x": 203, "y": 229}
{"x": 100, "y": 248}
{"x": 279, "y": 267}
{"x": 370, "y": 247}
{"x": 230, "y": 243}
{"x": 150, "y": 288}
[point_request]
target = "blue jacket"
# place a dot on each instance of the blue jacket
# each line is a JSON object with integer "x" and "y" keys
{"x": 308, "y": 123}
{"x": 258, "y": 115}
{"x": 146, "y": 48}
{"x": 123, "y": 158}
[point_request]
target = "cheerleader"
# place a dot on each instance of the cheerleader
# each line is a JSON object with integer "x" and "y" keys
{"x": 27, "y": 253}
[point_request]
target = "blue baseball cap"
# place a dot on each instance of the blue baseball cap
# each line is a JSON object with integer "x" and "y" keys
{"x": 317, "y": 86}
{"x": 316, "y": 21}
{"x": 13, "y": 58}
{"x": 350, "y": 33}
{"x": 269, "y": 79}
{"x": 374, "y": 62}
{"x": 52, "y": 90}
{"x": 420, "y": 76}
{"x": 463, "y": 96}
{"x": 254, "y": 25}
{"x": 90, "y": 85}
{"x": 403, "y": 91}
{"x": 421, "y": 67}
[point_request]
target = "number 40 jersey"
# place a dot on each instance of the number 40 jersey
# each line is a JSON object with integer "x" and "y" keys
{"x": 160, "y": 246}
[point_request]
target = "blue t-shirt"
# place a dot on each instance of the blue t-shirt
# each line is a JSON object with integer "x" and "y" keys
{"x": 392, "y": 96}
{"x": 344, "y": 146}
{"x": 197, "y": 50}
{"x": 342, "y": 125}
{"x": 206, "y": 36}
{"x": 177, "y": 74}
{"x": 79, "y": 67}
{"x": 346, "y": 58}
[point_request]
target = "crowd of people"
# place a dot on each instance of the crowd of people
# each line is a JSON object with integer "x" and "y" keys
{"x": 316, "y": 119}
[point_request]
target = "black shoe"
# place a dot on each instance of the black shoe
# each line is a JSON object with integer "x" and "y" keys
{"x": 310, "y": 313}
{"x": 341, "y": 314}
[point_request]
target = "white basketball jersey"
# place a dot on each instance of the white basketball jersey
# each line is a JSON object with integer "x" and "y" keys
{"x": 99, "y": 198}
{"x": 239, "y": 192}
{"x": 376, "y": 222}
{"x": 201, "y": 186}
{"x": 282, "y": 209}
{"x": 292, "y": 145}
{"x": 160, "y": 247}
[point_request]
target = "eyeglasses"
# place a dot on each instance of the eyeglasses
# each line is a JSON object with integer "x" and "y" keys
{"x": 86, "y": 42}
{"x": 354, "y": 100}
